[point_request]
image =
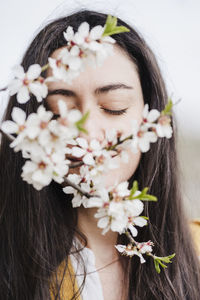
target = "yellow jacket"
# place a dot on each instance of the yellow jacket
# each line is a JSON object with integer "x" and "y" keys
{"x": 69, "y": 284}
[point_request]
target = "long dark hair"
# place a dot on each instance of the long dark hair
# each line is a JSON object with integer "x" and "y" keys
{"x": 37, "y": 227}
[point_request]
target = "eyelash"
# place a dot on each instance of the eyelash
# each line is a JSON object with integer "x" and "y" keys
{"x": 109, "y": 111}
{"x": 115, "y": 112}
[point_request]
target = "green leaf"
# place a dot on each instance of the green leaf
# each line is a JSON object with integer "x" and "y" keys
{"x": 134, "y": 188}
{"x": 79, "y": 124}
{"x": 158, "y": 261}
{"x": 143, "y": 196}
{"x": 167, "y": 259}
{"x": 112, "y": 28}
{"x": 149, "y": 198}
{"x": 82, "y": 129}
{"x": 157, "y": 267}
{"x": 144, "y": 217}
{"x": 163, "y": 265}
{"x": 168, "y": 108}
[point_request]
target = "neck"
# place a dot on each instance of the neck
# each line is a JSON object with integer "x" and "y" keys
{"x": 101, "y": 245}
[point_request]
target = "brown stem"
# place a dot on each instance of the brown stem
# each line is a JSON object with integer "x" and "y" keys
{"x": 135, "y": 243}
{"x": 77, "y": 187}
{"x": 119, "y": 142}
{"x": 76, "y": 164}
{"x": 131, "y": 238}
{"x": 45, "y": 67}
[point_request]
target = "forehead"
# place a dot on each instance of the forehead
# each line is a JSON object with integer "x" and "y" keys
{"x": 116, "y": 68}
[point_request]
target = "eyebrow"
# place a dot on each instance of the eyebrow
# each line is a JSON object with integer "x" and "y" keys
{"x": 99, "y": 90}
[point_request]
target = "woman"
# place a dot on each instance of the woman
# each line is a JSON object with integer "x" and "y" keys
{"x": 40, "y": 230}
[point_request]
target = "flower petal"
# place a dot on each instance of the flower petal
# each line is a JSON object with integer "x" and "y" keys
{"x": 96, "y": 32}
{"x": 14, "y": 86}
{"x": 18, "y": 115}
{"x": 103, "y": 222}
{"x": 133, "y": 230}
{"x": 38, "y": 90}
{"x": 68, "y": 190}
{"x": 33, "y": 71}
{"x": 84, "y": 29}
{"x": 120, "y": 248}
{"x": 82, "y": 143}
{"x": 88, "y": 159}
{"x": 77, "y": 152}
{"x": 153, "y": 115}
{"x": 145, "y": 111}
{"x": 23, "y": 95}
{"x": 18, "y": 71}
{"x": 139, "y": 221}
{"x": 9, "y": 127}
{"x": 77, "y": 201}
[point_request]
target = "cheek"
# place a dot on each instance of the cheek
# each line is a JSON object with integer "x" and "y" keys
{"x": 124, "y": 123}
{"x": 124, "y": 170}
{"x": 128, "y": 169}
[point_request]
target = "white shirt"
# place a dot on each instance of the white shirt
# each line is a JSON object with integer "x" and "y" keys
{"x": 92, "y": 287}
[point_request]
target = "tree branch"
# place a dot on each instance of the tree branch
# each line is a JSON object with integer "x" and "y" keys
{"x": 77, "y": 187}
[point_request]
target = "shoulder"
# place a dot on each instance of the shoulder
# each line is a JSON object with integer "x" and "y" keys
{"x": 195, "y": 230}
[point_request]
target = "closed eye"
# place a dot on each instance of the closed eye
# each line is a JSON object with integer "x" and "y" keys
{"x": 114, "y": 112}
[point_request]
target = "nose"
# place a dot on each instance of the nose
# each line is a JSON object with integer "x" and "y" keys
{"x": 94, "y": 126}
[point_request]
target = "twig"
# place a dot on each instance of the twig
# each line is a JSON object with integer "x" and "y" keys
{"x": 44, "y": 68}
{"x": 119, "y": 142}
{"x": 131, "y": 238}
{"x": 135, "y": 243}
{"x": 77, "y": 187}
{"x": 76, "y": 164}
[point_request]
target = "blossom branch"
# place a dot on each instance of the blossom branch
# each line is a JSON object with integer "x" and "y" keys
{"x": 158, "y": 260}
{"x": 109, "y": 148}
{"x": 44, "y": 140}
{"x": 78, "y": 188}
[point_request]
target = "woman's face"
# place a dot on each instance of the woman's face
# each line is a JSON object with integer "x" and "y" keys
{"x": 113, "y": 95}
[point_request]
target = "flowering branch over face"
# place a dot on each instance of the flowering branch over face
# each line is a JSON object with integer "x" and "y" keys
{"x": 82, "y": 48}
{"x": 52, "y": 147}
{"x": 135, "y": 248}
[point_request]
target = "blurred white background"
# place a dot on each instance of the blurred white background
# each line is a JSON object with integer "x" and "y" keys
{"x": 170, "y": 27}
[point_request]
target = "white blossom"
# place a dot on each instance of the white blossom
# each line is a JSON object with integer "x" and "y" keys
{"x": 93, "y": 47}
{"x": 42, "y": 169}
{"x": 66, "y": 67}
{"x": 118, "y": 212}
{"x": 26, "y": 83}
{"x": 130, "y": 250}
{"x": 145, "y": 247}
{"x": 142, "y": 137}
{"x": 67, "y": 120}
{"x": 18, "y": 124}
{"x": 37, "y": 122}
{"x": 163, "y": 127}
{"x": 87, "y": 151}
{"x": 79, "y": 199}
{"x": 149, "y": 117}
